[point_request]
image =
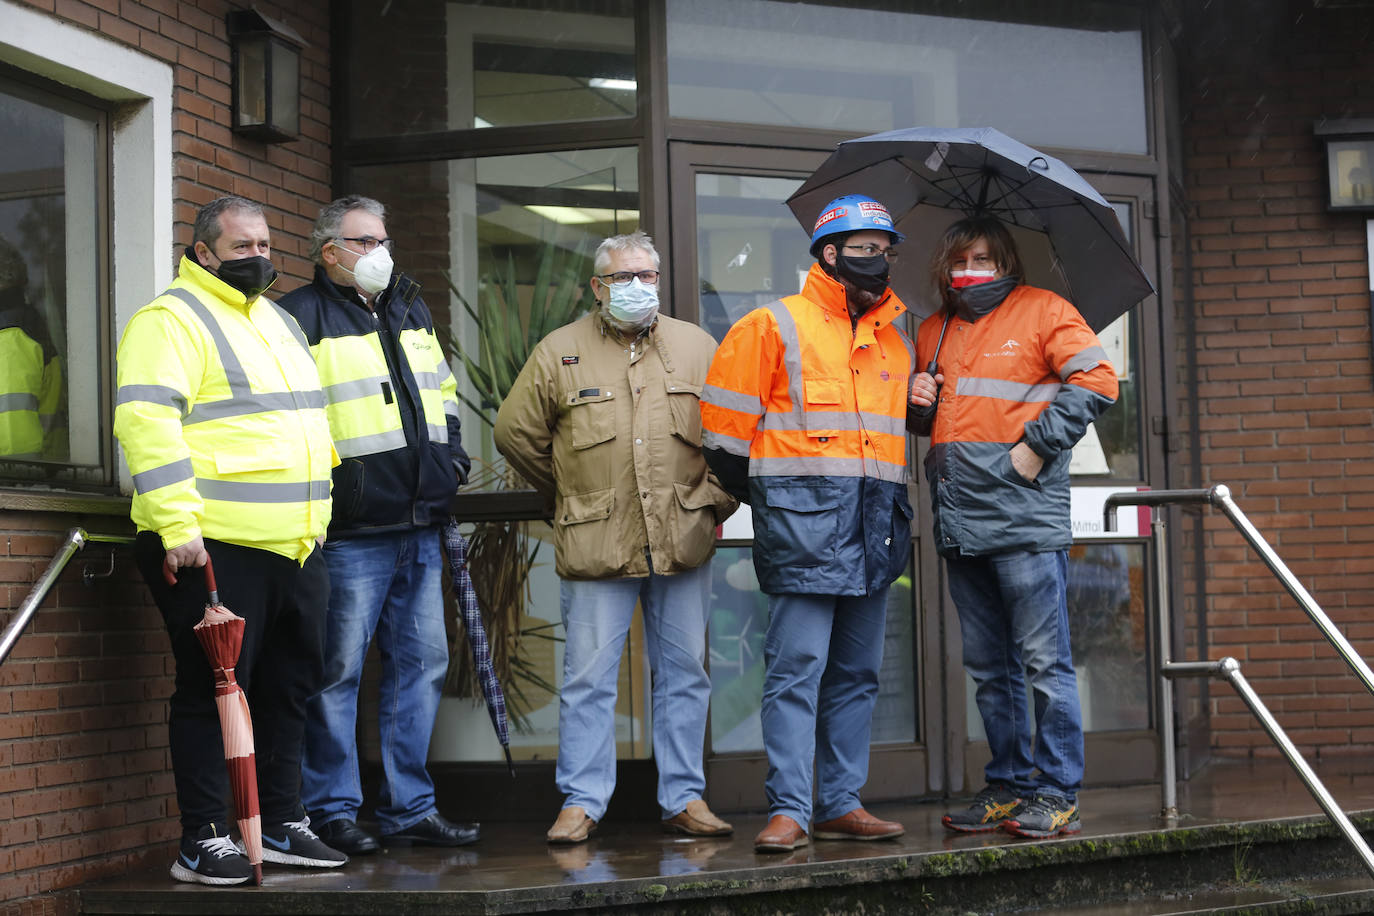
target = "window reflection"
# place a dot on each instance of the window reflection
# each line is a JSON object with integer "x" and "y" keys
{"x": 738, "y": 622}
{"x": 489, "y": 64}
{"x": 48, "y": 205}
{"x": 864, "y": 70}
{"x": 1106, "y": 597}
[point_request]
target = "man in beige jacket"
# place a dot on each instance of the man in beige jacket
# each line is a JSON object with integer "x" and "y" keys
{"x": 604, "y": 421}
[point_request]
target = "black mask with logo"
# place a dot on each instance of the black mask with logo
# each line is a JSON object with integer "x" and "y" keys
{"x": 868, "y": 274}
{"x": 250, "y": 276}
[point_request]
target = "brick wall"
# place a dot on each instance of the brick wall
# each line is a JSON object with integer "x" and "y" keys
{"x": 85, "y": 780}
{"x": 1285, "y": 387}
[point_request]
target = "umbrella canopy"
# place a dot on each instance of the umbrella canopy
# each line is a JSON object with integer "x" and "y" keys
{"x": 456, "y": 549}
{"x": 929, "y": 177}
{"x": 220, "y": 633}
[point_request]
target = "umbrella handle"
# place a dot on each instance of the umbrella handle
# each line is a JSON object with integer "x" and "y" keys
{"x": 171, "y": 578}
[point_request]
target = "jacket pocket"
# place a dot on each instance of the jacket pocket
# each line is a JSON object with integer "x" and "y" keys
{"x": 822, "y": 404}
{"x": 1007, "y": 471}
{"x": 249, "y": 457}
{"x": 694, "y": 523}
{"x": 349, "y": 485}
{"x": 899, "y": 545}
{"x": 584, "y": 540}
{"x": 591, "y": 416}
{"x": 798, "y": 527}
{"x": 684, "y": 406}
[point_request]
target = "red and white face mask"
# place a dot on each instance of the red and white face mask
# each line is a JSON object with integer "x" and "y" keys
{"x": 958, "y": 279}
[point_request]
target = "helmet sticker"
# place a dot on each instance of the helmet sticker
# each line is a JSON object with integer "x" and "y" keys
{"x": 828, "y": 216}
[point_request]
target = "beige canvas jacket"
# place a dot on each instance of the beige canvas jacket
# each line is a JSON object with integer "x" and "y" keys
{"x": 610, "y": 430}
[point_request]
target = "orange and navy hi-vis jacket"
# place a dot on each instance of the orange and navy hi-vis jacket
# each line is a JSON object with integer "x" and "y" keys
{"x": 803, "y": 416}
{"x": 1029, "y": 370}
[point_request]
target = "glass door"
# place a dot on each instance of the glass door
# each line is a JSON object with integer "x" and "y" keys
{"x": 741, "y": 250}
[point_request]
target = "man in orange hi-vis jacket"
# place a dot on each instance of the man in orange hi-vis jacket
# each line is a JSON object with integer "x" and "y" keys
{"x": 803, "y": 416}
{"x": 1013, "y": 377}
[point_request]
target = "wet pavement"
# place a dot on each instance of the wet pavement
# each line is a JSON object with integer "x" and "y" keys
{"x": 513, "y": 861}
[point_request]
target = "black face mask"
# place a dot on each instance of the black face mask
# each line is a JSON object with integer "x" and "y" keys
{"x": 868, "y": 274}
{"x": 973, "y": 302}
{"x": 250, "y": 276}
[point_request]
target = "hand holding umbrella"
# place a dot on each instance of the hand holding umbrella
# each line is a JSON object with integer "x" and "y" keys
{"x": 220, "y": 634}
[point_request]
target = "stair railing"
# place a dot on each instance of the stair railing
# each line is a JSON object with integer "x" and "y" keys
{"x": 1228, "y": 668}
{"x": 77, "y": 538}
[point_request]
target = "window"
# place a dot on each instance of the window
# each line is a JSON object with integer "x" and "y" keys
{"x": 52, "y": 169}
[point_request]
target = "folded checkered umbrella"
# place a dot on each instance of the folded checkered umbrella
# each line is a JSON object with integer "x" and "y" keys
{"x": 456, "y": 549}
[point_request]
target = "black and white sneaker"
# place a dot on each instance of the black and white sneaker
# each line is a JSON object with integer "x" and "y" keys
{"x": 294, "y": 843}
{"x": 210, "y": 857}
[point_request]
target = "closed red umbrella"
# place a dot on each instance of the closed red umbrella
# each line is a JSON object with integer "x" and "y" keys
{"x": 221, "y": 636}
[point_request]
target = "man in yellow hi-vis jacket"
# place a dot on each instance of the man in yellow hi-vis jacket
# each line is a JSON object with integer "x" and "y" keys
{"x": 221, "y": 418}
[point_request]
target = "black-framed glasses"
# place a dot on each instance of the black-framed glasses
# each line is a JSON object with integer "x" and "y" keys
{"x": 369, "y": 243}
{"x": 621, "y": 277}
{"x": 872, "y": 250}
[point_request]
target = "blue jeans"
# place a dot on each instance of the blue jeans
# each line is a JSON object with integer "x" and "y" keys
{"x": 1015, "y": 623}
{"x": 596, "y": 619}
{"x": 821, "y": 659}
{"x": 391, "y": 585}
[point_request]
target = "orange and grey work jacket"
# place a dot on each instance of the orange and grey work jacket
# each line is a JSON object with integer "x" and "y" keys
{"x": 803, "y": 416}
{"x": 1030, "y": 370}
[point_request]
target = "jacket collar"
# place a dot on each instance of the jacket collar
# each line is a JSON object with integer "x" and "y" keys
{"x": 206, "y": 282}
{"x": 828, "y": 293}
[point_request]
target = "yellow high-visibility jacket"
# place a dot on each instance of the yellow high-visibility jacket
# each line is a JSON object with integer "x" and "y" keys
{"x": 222, "y": 420}
{"x": 21, "y": 384}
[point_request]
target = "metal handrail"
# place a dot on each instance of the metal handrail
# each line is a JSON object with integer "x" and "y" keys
{"x": 1228, "y": 667}
{"x": 77, "y": 538}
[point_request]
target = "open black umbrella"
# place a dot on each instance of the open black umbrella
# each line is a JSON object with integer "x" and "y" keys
{"x": 928, "y": 177}
{"x": 456, "y": 551}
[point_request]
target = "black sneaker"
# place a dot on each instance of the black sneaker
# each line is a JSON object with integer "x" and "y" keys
{"x": 210, "y": 857}
{"x": 294, "y": 843}
{"x": 1044, "y": 816}
{"x": 990, "y": 807}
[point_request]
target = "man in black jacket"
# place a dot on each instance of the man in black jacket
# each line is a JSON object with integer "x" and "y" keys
{"x": 393, "y": 412}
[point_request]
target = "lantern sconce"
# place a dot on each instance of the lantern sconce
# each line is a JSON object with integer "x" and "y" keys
{"x": 265, "y": 60}
{"x": 1349, "y": 162}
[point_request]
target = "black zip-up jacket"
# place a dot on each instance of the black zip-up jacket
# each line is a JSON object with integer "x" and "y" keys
{"x": 409, "y": 486}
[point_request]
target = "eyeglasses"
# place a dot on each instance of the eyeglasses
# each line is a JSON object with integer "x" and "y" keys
{"x": 871, "y": 250}
{"x": 621, "y": 277}
{"x": 369, "y": 243}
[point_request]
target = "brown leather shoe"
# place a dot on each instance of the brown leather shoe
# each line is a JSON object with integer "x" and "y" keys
{"x": 857, "y": 825}
{"x": 781, "y": 835}
{"x": 572, "y": 826}
{"x": 697, "y": 820}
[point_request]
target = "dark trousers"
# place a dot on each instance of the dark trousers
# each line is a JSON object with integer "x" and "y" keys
{"x": 280, "y": 666}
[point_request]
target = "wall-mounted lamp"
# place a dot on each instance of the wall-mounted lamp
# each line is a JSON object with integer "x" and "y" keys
{"x": 1349, "y": 162}
{"x": 265, "y": 58}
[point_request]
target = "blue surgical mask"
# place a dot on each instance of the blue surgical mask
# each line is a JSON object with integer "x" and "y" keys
{"x": 633, "y": 304}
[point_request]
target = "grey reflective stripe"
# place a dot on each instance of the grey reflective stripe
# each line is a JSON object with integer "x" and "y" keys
{"x": 791, "y": 354}
{"x": 437, "y": 433}
{"x": 243, "y": 400}
{"x": 241, "y": 492}
{"x": 834, "y": 419}
{"x": 445, "y": 373}
{"x": 233, "y": 369}
{"x": 255, "y": 403}
{"x": 20, "y": 400}
{"x": 370, "y": 444}
{"x": 1006, "y": 391}
{"x": 728, "y": 444}
{"x": 153, "y": 478}
{"x": 357, "y": 388}
{"x": 1084, "y": 360}
{"x": 427, "y": 381}
{"x": 152, "y": 394}
{"x": 796, "y": 466}
{"x": 732, "y": 400}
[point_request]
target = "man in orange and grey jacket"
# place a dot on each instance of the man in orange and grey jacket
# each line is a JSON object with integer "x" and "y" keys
{"x": 803, "y": 417}
{"x": 1014, "y": 376}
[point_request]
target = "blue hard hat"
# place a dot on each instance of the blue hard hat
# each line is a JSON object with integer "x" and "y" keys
{"x": 852, "y": 213}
